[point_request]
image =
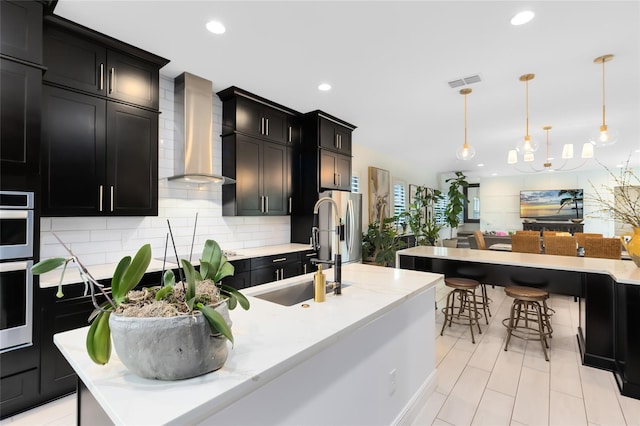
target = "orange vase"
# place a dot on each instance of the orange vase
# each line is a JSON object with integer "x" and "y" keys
{"x": 631, "y": 243}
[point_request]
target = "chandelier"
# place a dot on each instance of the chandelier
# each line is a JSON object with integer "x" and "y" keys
{"x": 527, "y": 147}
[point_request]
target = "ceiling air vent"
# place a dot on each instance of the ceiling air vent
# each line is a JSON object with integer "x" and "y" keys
{"x": 465, "y": 81}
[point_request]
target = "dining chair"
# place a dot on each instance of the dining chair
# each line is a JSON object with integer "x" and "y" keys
{"x": 528, "y": 232}
{"x": 605, "y": 248}
{"x": 581, "y": 236}
{"x": 524, "y": 243}
{"x": 546, "y": 233}
{"x": 561, "y": 245}
{"x": 480, "y": 239}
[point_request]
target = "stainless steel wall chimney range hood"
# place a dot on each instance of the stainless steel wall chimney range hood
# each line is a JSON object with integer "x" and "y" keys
{"x": 193, "y": 143}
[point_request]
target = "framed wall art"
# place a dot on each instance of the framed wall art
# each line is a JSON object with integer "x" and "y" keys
{"x": 379, "y": 194}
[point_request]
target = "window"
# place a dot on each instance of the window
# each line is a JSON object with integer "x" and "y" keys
{"x": 399, "y": 201}
{"x": 355, "y": 183}
{"x": 440, "y": 208}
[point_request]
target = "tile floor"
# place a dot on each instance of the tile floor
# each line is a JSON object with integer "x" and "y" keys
{"x": 481, "y": 384}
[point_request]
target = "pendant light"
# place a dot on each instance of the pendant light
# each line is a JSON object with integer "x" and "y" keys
{"x": 603, "y": 137}
{"x": 466, "y": 152}
{"x": 528, "y": 146}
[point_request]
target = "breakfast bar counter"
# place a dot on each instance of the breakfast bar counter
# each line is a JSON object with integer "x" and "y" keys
{"x": 608, "y": 292}
{"x": 300, "y": 364}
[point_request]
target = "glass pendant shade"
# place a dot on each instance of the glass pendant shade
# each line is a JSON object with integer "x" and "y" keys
{"x": 603, "y": 137}
{"x": 527, "y": 144}
{"x": 512, "y": 157}
{"x": 528, "y": 157}
{"x": 567, "y": 151}
{"x": 465, "y": 152}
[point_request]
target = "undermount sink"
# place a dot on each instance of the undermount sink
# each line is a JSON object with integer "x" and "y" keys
{"x": 291, "y": 295}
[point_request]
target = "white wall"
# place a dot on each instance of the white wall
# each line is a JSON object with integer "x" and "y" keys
{"x": 500, "y": 198}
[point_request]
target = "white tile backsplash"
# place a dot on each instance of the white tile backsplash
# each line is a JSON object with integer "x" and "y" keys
{"x": 98, "y": 240}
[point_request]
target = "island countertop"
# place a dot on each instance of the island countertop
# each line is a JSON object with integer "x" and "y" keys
{"x": 622, "y": 271}
{"x": 270, "y": 339}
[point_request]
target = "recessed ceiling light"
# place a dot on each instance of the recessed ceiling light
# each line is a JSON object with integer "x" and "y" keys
{"x": 323, "y": 87}
{"x": 480, "y": 164}
{"x": 216, "y": 27}
{"x": 522, "y": 17}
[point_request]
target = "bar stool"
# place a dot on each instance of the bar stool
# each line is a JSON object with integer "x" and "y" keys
{"x": 482, "y": 299}
{"x": 529, "y": 305}
{"x": 464, "y": 290}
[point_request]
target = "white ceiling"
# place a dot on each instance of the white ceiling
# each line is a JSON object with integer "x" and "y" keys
{"x": 389, "y": 63}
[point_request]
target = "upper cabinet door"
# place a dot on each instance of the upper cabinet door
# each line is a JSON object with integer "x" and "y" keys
{"x": 256, "y": 119}
{"x": 334, "y": 136}
{"x": 21, "y": 30}
{"x": 132, "y": 80}
{"x": 89, "y": 70}
{"x": 97, "y": 70}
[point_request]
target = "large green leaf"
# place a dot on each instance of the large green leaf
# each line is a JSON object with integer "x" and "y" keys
{"x": 226, "y": 270}
{"x": 169, "y": 278}
{"x": 136, "y": 269}
{"x": 116, "y": 281}
{"x": 47, "y": 265}
{"x": 190, "y": 276}
{"x": 212, "y": 256}
{"x": 216, "y": 321}
{"x": 242, "y": 300}
{"x": 98, "y": 340}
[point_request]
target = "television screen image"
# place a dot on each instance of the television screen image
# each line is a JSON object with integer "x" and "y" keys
{"x": 555, "y": 204}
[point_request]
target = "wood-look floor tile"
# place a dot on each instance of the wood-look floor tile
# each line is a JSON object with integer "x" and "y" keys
{"x": 463, "y": 400}
{"x": 532, "y": 399}
{"x": 495, "y": 409}
{"x": 566, "y": 409}
{"x": 450, "y": 369}
{"x": 600, "y": 397}
{"x": 428, "y": 413}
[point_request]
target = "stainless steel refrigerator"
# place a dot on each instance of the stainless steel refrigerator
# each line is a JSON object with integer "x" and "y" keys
{"x": 350, "y": 216}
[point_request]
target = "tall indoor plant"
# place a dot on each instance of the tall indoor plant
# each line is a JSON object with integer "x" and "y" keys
{"x": 424, "y": 229}
{"x": 455, "y": 200}
{"x": 381, "y": 242}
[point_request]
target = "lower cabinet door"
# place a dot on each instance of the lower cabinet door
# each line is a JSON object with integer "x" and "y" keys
{"x": 18, "y": 392}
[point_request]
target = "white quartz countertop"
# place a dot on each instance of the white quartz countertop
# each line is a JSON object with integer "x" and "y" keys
{"x": 105, "y": 271}
{"x": 270, "y": 339}
{"x": 622, "y": 271}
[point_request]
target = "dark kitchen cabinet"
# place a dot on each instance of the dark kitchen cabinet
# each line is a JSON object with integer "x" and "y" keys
{"x": 334, "y": 136}
{"x": 335, "y": 171}
{"x": 98, "y": 157}
{"x": 96, "y": 69}
{"x": 274, "y": 268}
{"x": 305, "y": 258}
{"x": 254, "y": 115}
{"x": 20, "y": 99}
{"x": 99, "y": 151}
{"x": 241, "y": 277}
{"x": 21, "y": 30}
{"x": 261, "y": 171}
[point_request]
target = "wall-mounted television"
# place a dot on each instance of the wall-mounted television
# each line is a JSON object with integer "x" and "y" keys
{"x": 551, "y": 204}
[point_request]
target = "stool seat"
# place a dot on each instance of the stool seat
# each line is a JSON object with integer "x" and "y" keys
{"x": 526, "y": 293}
{"x": 461, "y": 283}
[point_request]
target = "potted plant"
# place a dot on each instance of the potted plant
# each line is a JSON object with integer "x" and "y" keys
{"x": 425, "y": 230}
{"x": 188, "y": 319}
{"x": 571, "y": 198}
{"x": 621, "y": 202}
{"x": 380, "y": 243}
{"x": 455, "y": 204}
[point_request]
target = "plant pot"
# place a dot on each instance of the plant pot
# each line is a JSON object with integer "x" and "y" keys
{"x": 169, "y": 348}
{"x": 450, "y": 242}
{"x": 632, "y": 245}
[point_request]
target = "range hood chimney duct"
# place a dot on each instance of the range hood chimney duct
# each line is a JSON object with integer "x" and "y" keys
{"x": 193, "y": 142}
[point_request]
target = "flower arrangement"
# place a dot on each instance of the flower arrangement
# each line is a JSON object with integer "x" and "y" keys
{"x": 620, "y": 201}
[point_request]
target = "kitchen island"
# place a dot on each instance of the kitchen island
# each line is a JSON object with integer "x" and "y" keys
{"x": 366, "y": 356}
{"x": 608, "y": 292}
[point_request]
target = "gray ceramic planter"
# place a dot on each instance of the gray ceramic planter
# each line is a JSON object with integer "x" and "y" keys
{"x": 170, "y": 348}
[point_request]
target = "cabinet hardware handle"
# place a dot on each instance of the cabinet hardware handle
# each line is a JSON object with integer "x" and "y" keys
{"x": 267, "y": 120}
{"x": 337, "y": 143}
{"x": 289, "y": 134}
{"x": 311, "y": 254}
{"x": 101, "y": 192}
{"x": 304, "y": 268}
{"x": 282, "y": 273}
{"x": 289, "y": 204}
{"x": 280, "y": 259}
{"x": 262, "y": 125}
{"x": 340, "y": 141}
{"x": 267, "y": 204}
{"x": 262, "y": 204}
{"x": 112, "y": 85}
{"x": 101, "y": 77}
{"x": 111, "y": 197}
{"x": 277, "y": 274}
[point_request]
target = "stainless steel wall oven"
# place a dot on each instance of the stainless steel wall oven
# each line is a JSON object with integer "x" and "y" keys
{"x": 16, "y": 259}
